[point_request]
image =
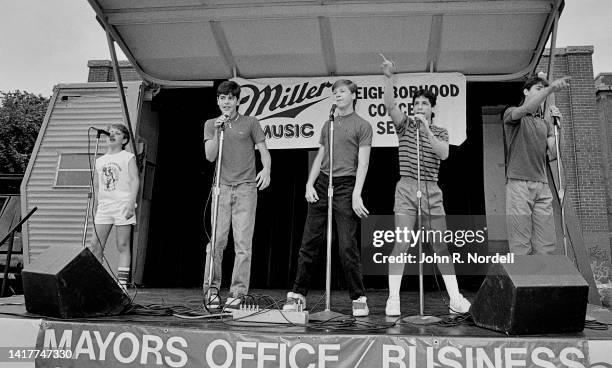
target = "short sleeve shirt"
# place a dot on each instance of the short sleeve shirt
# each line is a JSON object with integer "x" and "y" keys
{"x": 238, "y": 161}
{"x": 407, "y": 151}
{"x": 526, "y": 140}
{"x": 350, "y": 132}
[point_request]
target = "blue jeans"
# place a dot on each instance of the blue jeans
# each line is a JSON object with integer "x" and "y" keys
{"x": 238, "y": 204}
{"x": 315, "y": 235}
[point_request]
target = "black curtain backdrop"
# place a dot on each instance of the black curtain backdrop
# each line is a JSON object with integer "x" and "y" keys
{"x": 177, "y": 238}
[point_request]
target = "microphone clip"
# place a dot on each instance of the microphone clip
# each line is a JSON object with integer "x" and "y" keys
{"x": 331, "y": 112}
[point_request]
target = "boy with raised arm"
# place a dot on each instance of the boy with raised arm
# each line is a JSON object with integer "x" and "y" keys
{"x": 529, "y": 137}
{"x": 433, "y": 148}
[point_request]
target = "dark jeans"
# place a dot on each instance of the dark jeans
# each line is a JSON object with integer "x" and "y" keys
{"x": 315, "y": 230}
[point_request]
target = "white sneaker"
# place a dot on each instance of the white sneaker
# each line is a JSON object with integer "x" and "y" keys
{"x": 459, "y": 305}
{"x": 123, "y": 286}
{"x": 392, "y": 309}
{"x": 232, "y": 303}
{"x": 360, "y": 307}
{"x": 214, "y": 302}
{"x": 295, "y": 302}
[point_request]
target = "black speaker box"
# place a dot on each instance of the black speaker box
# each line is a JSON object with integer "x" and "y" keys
{"x": 537, "y": 294}
{"x": 69, "y": 282}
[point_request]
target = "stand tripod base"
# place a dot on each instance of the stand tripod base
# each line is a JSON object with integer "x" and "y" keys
{"x": 421, "y": 319}
{"x": 327, "y": 315}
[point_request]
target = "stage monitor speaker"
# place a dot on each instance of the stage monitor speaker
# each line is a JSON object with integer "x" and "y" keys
{"x": 69, "y": 282}
{"x": 536, "y": 294}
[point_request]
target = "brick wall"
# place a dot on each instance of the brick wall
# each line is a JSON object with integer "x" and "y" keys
{"x": 603, "y": 85}
{"x": 102, "y": 71}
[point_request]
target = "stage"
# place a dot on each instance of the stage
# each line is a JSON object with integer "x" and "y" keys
{"x": 155, "y": 339}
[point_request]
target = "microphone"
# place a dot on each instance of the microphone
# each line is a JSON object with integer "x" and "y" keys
{"x": 554, "y": 112}
{"x": 224, "y": 118}
{"x": 331, "y": 112}
{"x": 100, "y": 132}
{"x": 414, "y": 122}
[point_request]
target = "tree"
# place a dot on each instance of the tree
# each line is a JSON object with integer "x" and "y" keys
{"x": 21, "y": 115}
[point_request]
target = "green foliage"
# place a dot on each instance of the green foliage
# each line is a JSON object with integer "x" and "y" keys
{"x": 21, "y": 115}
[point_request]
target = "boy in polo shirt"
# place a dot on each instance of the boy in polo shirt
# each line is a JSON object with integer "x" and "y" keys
{"x": 352, "y": 143}
{"x": 433, "y": 148}
{"x": 529, "y": 212}
{"x": 238, "y": 189}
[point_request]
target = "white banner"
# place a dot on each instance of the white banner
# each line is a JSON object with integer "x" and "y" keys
{"x": 293, "y": 110}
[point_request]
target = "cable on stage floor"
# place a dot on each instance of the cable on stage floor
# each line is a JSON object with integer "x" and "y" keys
{"x": 345, "y": 323}
{"x": 596, "y": 325}
{"x": 342, "y": 323}
{"x": 10, "y": 303}
{"x": 446, "y": 320}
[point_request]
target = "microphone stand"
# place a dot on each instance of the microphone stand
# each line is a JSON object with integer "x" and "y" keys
{"x": 560, "y": 190}
{"x": 421, "y": 318}
{"x": 215, "y": 212}
{"x": 90, "y": 193}
{"x": 561, "y": 193}
{"x": 328, "y": 314}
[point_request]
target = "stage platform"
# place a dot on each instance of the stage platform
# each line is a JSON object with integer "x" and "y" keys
{"x": 138, "y": 340}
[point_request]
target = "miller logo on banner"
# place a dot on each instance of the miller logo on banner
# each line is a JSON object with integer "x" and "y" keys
{"x": 292, "y": 110}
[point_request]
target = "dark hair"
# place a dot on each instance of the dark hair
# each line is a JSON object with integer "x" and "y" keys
{"x": 530, "y": 82}
{"x": 427, "y": 94}
{"x": 124, "y": 130}
{"x": 229, "y": 88}
{"x": 352, "y": 87}
{"x": 533, "y": 80}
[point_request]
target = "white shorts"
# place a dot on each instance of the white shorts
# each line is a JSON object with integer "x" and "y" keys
{"x": 113, "y": 213}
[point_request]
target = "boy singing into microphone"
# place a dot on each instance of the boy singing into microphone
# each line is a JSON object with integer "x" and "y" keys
{"x": 433, "y": 147}
{"x": 238, "y": 190}
{"x": 351, "y": 155}
{"x": 115, "y": 187}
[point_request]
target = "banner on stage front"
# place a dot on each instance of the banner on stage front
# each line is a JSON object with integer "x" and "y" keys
{"x": 292, "y": 110}
{"x": 140, "y": 345}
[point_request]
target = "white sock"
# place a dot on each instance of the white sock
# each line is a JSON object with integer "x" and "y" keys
{"x": 395, "y": 283}
{"x": 452, "y": 288}
{"x": 123, "y": 275}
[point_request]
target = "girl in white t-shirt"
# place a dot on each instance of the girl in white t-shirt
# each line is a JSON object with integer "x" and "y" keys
{"x": 115, "y": 189}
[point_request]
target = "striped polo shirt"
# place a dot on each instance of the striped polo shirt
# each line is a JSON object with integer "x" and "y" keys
{"x": 430, "y": 163}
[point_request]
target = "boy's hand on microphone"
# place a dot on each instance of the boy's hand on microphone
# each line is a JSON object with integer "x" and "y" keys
{"x": 555, "y": 112}
{"x": 221, "y": 120}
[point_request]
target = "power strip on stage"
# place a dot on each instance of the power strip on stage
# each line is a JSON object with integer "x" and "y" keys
{"x": 254, "y": 314}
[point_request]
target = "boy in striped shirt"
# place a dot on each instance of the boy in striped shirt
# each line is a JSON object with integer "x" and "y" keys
{"x": 433, "y": 142}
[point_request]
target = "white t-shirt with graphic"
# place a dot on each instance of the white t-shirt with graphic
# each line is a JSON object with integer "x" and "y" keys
{"x": 113, "y": 177}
